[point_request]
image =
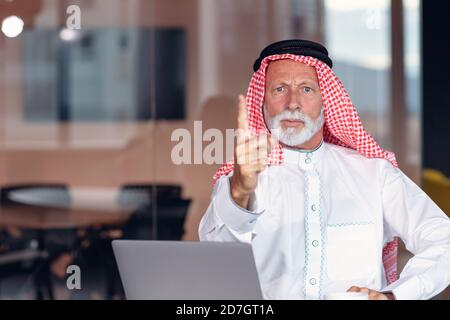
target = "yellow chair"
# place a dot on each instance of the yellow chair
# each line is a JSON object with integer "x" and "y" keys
{"x": 437, "y": 186}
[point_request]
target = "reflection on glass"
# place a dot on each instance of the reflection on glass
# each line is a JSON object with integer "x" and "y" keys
{"x": 357, "y": 35}
{"x": 77, "y": 109}
{"x": 104, "y": 74}
{"x": 412, "y": 53}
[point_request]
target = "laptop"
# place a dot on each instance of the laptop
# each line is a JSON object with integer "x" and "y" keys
{"x": 182, "y": 270}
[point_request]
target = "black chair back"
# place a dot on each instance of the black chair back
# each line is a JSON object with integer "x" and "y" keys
{"x": 165, "y": 207}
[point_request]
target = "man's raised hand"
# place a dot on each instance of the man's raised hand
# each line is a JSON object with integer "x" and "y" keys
{"x": 250, "y": 158}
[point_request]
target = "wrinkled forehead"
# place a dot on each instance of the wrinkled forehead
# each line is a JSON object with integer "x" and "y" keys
{"x": 288, "y": 69}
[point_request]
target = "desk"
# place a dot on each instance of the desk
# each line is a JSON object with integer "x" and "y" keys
{"x": 82, "y": 198}
{"x": 47, "y": 208}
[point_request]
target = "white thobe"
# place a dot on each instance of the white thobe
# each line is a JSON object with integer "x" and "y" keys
{"x": 318, "y": 223}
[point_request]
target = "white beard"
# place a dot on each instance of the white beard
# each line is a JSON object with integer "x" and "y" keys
{"x": 294, "y": 136}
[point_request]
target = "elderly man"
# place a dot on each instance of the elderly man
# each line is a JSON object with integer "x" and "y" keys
{"x": 316, "y": 196}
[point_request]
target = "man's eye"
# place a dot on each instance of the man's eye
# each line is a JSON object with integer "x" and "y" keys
{"x": 307, "y": 89}
{"x": 279, "y": 89}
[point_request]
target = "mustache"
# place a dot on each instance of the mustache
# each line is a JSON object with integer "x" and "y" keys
{"x": 292, "y": 115}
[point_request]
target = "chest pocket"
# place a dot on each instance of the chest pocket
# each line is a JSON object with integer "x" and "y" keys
{"x": 351, "y": 251}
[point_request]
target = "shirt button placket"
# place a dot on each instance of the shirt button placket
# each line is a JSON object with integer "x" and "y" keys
{"x": 313, "y": 229}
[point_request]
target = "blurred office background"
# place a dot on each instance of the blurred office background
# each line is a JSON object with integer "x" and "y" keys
{"x": 86, "y": 117}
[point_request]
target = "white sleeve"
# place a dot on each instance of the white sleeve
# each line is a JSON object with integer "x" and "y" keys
{"x": 224, "y": 220}
{"x": 423, "y": 226}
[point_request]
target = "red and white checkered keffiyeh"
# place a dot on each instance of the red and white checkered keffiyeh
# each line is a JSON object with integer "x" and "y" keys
{"x": 342, "y": 127}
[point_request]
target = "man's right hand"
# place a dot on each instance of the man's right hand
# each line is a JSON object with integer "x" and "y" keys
{"x": 250, "y": 158}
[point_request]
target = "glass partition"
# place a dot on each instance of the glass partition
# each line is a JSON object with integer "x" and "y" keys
{"x": 89, "y": 117}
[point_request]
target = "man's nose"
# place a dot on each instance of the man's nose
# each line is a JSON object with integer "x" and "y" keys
{"x": 294, "y": 102}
